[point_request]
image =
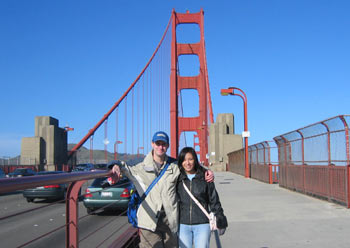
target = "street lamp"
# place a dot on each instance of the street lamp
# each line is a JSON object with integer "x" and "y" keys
{"x": 245, "y": 133}
{"x": 138, "y": 150}
{"x": 116, "y": 148}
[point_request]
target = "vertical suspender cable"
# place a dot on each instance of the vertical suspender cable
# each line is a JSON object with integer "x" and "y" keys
{"x": 143, "y": 111}
{"x": 138, "y": 116}
{"x": 91, "y": 148}
{"x": 160, "y": 90}
{"x": 116, "y": 134}
{"x": 132, "y": 121}
{"x": 146, "y": 106}
{"x": 105, "y": 141}
{"x": 150, "y": 100}
{"x": 126, "y": 125}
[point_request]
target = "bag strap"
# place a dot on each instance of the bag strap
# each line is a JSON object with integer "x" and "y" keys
{"x": 196, "y": 201}
{"x": 155, "y": 180}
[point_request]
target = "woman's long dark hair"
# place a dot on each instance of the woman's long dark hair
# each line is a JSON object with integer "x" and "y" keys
{"x": 182, "y": 155}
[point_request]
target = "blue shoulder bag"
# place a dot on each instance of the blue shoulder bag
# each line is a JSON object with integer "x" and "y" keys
{"x": 136, "y": 199}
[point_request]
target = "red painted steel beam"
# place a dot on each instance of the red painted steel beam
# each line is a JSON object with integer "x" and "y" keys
{"x": 72, "y": 214}
{"x": 188, "y": 49}
{"x": 174, "y": 142}
{"x": 177, "y": 83}
{"x": 188, "y": 82}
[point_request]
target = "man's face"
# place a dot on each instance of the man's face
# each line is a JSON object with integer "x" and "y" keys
{"x": 160, "y": 148}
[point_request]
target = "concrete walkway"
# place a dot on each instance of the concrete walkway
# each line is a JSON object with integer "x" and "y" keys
{"x": 262, "y": 215}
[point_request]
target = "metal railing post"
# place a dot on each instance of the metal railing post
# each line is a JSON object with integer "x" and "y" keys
{"x": 72, "y": 214}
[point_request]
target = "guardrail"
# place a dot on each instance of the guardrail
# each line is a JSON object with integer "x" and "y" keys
{"x": 260, "y": 165}
{"x": 75, "y": 180}
{"x": 315, "y": 159}
{"x": 327, "y": 182}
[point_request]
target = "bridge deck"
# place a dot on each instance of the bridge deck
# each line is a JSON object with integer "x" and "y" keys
{"x": 267, "y": 216}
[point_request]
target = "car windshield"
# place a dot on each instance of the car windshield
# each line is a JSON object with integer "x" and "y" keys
{"x": 101, "y": 166}
{"x": 23, "y": 170}
{"x": 49, "y": 172}
{"x": 84, "y": 165}
{"x": 98, "y": 182}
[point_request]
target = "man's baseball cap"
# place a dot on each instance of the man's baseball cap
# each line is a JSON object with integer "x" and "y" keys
{"x": 160, "y": 135}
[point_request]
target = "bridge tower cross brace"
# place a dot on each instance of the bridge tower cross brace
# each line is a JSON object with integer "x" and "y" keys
{"x": 198, "y": 124}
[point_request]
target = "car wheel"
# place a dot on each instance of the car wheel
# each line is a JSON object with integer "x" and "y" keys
{"x": 30, "y": 199}
{"x": 90, "y": 211}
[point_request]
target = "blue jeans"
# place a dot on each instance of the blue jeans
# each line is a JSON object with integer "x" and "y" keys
{"x": 197, "y": 234}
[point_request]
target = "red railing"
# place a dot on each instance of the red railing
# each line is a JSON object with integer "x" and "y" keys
{"x": 236, "y": 162}
{"x": 260, "y": 164}
{"x": 315, "y": 159}
{"x": 76, "y": 180}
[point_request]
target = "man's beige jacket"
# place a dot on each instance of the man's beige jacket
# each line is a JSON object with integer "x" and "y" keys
{"x": 162, "y": 194}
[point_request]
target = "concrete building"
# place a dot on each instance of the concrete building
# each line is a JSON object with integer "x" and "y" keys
{"x": 223, "y": 140}
{"x": 48, "y": 148}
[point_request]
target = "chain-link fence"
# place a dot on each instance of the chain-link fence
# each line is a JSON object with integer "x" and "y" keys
{"x": 315, "y": 159}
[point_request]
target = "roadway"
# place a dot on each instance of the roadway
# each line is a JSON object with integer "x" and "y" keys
{"x": 262, "y": 215}
{"x": 20, "y": 229}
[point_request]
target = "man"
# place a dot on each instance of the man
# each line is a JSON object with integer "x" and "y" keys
{"x": 157, "y": 215}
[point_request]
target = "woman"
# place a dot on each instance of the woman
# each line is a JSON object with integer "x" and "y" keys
{"x": 194, "y": 224}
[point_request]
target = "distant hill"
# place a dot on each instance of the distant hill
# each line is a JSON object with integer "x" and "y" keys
{"x": 83, "y": 156}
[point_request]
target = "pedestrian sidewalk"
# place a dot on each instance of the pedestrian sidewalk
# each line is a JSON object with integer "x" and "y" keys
{"x": 262, "y": 215}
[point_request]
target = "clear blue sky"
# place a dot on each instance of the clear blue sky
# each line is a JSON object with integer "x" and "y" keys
{"x": 73, "y": 59}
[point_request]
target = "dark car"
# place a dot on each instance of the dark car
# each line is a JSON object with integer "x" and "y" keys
{"x": 115, "y": 197}
{"x": 21, "y": 172}
{"x": 84, "y": 167}
{"x": 100, "y": 166}
{"x": 2, "y": 173}
{"x": 49, "y": 192}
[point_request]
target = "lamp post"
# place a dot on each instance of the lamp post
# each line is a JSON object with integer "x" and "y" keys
{"x": 116, "y": 148}
{"x": 138, "y": 150}
{"x": 245, "y": 133}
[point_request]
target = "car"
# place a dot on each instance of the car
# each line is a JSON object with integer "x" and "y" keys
{"x": 2, "y": 173}
{"x": 48, "y": 192}
{"x": 101, "y": 166}
{"x": 84, "y": 167}
{"x": 21, "y": 172}
{"x": 115, "y": 197}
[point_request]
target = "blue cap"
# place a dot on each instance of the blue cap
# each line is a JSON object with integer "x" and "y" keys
{"x": 160, "y": 136}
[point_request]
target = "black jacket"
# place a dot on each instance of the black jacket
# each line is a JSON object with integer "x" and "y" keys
{"x": 206, "y": 194}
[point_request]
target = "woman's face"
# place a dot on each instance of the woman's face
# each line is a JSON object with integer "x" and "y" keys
{"x": 188, "y": 164}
